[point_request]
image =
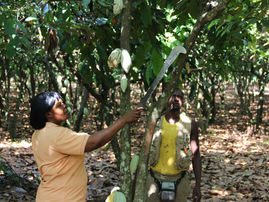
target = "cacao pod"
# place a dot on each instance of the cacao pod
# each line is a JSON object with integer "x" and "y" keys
{"x": 133, "y": 164}
{"x": 126, "y": 61}
{"x": 114, "y": 58}
{"x": 119, "y": 197}
{"x": 123, "y": 83}
{"x": 110, "y": 198}
{"x": 117, "y": 6}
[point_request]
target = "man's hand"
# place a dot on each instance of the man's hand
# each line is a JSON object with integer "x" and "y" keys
{"x": 196, "y": 195}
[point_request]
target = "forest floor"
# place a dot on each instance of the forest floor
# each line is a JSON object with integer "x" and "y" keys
{"x": 235, "y": 161}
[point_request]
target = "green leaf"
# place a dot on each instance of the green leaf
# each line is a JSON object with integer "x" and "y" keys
{"x": 85, "y": 72}
{"x": 105, "y": 3}
{"x": 9, "y": 26}
{"x": 157, "y": 61}
{"x": 85, "y": 3}
{"x": 206, "y": 84}
{"x": 206, "y": 94}
{"x": 30, "y": 19}
{"x": 102, "y": 53}
{"x": 146, "y": 16}
{"x": 141, "y": 53}
{"x": 11, "y": 47}
{"x": 148, "y": 74}
{"x": 193, "y": 90}
{"x": 20, "y": 25}
{"x": 139, "y": 56}
{"x": 26, "y": 42}
{"x": 214, "y": 186}
{"x": 213, "y": 23}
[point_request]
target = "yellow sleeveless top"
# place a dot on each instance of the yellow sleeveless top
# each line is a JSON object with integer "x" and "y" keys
{"x": 166, "y": 162}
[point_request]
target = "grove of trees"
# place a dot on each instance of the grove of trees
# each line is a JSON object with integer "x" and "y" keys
{"x": 63, "y": 46}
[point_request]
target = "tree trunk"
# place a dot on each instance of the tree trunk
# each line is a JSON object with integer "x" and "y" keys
{"x": 213, "y": 101}
{"x": 260, "y": 104}
{"x": 32, "y": 79}
{"x": 52, "y": 78}
{"x": 81, "y": 110}
{"x": 125, "y": 139}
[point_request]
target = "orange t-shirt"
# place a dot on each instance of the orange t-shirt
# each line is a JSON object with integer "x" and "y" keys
{"x": 59, "y": 153}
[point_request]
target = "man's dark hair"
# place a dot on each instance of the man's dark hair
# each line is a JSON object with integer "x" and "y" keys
{"x": 40, "y": 105}
{"x": 177, "y": 92}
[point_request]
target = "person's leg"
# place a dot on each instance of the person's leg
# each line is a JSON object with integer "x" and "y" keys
{"x": 152, "y": 194}
{"x": 183, "y": 189}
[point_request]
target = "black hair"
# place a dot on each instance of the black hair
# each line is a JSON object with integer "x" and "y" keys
{"x": 177, "y": 92}
{"x": 40, "y": 105}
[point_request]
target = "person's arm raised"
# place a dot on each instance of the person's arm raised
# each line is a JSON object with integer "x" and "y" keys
{"x": 100, "y": 138}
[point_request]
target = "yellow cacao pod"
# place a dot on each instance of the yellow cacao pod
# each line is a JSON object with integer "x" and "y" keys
{"x": 117, "y": 6}
{"x": 123, "y": 83}
{"x": 111, "y": 197}
{"x": 114, "y": 58}
{"x": 126, "y": 61}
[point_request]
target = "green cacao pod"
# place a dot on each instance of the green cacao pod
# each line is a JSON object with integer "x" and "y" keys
{"x": 126, "y": 61}
{"x": 117, "y": 6}
{"x": 119, "y": 197}
{"x": 133, "y": 164}
{"x": 123, "y": 83}
{"x": 114, "y": 58}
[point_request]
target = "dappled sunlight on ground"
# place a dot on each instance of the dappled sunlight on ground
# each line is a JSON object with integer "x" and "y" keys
{"x": 235, "y": 159}
{"x": 21, "y": 144}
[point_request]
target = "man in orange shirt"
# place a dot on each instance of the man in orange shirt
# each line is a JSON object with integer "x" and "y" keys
{"x": 59, "y": 151}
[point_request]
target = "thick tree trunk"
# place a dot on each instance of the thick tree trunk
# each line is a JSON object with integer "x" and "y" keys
{"x": 125, "y": 139}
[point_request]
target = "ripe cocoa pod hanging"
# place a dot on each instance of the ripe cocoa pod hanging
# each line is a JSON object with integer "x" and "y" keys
{"x": 126, "y": 61}
{"x": 123, "y": 83}
{"x": 114, "y": 58}
{"x": 117, "y": 6}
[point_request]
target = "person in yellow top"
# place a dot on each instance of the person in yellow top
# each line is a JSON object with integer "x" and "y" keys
{"x": 59, "y": 151}
{"x": 174, "y": 145}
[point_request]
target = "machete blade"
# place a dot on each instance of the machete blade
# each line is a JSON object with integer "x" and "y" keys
{"x": 168, "y": 62}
